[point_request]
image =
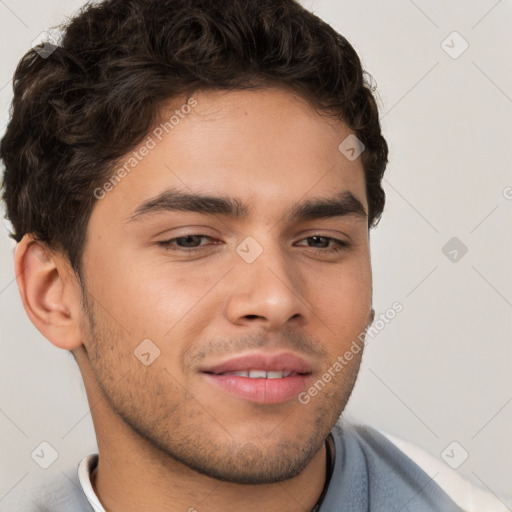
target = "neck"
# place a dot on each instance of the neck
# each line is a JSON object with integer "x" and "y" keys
{"x": 131, "y": 481}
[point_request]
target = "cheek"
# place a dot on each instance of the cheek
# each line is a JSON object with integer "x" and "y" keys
{"x": 343, "y": 300}
{"x": 159, "y": 301}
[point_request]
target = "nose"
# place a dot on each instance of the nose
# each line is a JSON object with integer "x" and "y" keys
{"x": 269, "y": 291}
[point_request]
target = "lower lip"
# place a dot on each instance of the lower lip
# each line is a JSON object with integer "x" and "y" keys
{"x": 264, "y": 391}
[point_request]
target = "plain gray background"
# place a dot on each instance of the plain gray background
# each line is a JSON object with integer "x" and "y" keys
{"x": 441, "y": 371}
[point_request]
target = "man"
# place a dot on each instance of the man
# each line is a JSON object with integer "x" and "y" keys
{"x": 191, "y": 185}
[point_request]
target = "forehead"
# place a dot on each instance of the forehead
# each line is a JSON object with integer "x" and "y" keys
{"x": 267, "y": 147}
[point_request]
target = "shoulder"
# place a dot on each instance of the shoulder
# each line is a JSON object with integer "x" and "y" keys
{"x": 392, "y": 473}
{"x": 468, "y": 496}
{"x": 371, "y": 473}
{"x": 58, "y": 493}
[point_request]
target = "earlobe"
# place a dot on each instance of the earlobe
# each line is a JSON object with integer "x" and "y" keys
{"x": 49, "y": 292}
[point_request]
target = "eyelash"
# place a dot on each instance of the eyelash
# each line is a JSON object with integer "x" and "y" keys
{"x": 168, "y": 244}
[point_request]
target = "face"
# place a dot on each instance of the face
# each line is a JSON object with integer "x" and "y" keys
{"x": 205, "y": 322}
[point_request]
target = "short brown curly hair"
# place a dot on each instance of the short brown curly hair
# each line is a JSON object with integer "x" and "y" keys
{"x": 78, "y": 111}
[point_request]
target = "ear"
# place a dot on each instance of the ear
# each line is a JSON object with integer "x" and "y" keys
{"x": 50, "y": 292}
{"x": 371, "y": 317}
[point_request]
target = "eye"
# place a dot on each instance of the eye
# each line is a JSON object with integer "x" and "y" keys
{"x": 187, "y": 243}
{"x": 324, "y": 242}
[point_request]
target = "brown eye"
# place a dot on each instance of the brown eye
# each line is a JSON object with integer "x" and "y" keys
{"x": 187, "y": 243}
{"x": 324, "y": 241}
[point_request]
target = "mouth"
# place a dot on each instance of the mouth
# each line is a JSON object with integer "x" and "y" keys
{"x": 261, "y": 378}
{"x": 260, "y": 374}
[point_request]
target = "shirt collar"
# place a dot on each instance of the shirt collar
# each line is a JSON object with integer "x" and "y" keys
{"x": 85, "y": 469}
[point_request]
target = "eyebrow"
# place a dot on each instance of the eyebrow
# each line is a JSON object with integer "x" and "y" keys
{"x": 173, "y": 200}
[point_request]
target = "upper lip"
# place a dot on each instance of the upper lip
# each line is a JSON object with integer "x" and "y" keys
{"x": 285, "y": 361}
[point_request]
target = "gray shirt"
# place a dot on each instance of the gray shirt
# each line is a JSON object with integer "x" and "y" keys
{"x": 371, "y": 474}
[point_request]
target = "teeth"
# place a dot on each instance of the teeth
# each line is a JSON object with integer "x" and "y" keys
{"x": 257, "y": 374}
{"x": 274, "y": 375}
{"x": 260, "y": 374}
{"x": 240, "y": 373}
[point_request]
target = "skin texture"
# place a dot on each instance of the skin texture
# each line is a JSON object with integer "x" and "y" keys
{"x": 168, "y": 439}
